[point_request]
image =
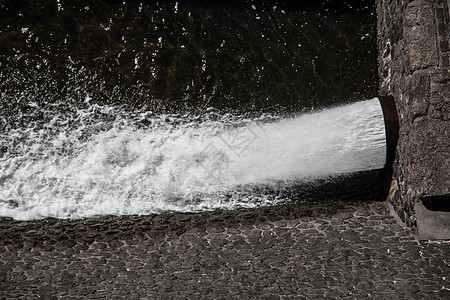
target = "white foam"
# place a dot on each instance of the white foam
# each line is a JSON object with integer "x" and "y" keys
{"x": 101, "y": 160}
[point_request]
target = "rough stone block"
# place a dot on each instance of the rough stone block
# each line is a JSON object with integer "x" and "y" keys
{"x": 429, "y": 159}
{"x": 445, "y": 60}
{"x": 419, "y": 95}
{"x": 437, "y": 101}
{"x": 441, "y": 76}
{"x": 419, "y": 32}
{"x": 440, "y": 100}
{"x": 444, "y": 46}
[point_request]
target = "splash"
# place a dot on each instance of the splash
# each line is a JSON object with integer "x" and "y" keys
{"x": 103, "y": 160}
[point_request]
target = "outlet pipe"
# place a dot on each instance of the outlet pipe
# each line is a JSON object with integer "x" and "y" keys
{"x": 391, "y": 126}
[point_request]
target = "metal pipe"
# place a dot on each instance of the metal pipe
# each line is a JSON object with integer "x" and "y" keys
{"x": 391, "y": 125}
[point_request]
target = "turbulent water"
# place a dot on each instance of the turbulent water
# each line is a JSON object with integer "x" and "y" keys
{"x": 102, "y": 160}
{"x": 136, "y": 107}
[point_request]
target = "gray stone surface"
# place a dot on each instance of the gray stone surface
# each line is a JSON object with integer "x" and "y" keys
{"x": 414, "y": 69}
{"x": 428, "y": 162}
{"x": 355, "y": 251}
{"x": 419, "y": 35}
{"x": 434, "y": 224}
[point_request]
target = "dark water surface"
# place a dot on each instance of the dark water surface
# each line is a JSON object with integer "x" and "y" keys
{"x": 184, "y": 55}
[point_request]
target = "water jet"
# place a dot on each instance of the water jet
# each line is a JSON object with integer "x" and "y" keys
{"x": 97, "y": 161}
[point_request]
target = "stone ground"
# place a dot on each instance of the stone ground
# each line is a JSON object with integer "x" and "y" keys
{"x": 351, "y": 251}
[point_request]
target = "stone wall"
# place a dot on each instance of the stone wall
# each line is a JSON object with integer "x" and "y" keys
{"x": 413, "y": 67}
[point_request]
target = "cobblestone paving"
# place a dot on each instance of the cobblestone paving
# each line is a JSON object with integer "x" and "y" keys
{"x": 356, "y": 251}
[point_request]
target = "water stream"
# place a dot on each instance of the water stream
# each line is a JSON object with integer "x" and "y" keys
{"x": 137, "y": 107}
{"x": 101, "y": 160}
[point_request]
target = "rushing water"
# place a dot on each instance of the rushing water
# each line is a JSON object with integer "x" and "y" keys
{"x": 100, "y": 160}
{"x": 134, "y": 107}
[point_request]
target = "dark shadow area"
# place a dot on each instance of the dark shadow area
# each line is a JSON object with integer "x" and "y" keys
{"x": 364, "y": 185}
{"x": 437, "y": 203}
{"x": 326, "y": 7}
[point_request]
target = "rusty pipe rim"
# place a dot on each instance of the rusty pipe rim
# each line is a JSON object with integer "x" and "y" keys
{"x": 391, "y": 125}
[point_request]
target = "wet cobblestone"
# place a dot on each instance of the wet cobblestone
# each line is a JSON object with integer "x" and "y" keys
{"x": 352, "y": 251}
